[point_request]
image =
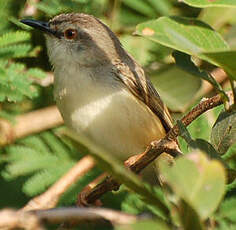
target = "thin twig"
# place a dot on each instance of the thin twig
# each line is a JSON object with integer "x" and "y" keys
{"x": 81, "y": 202}
{"x": 167, "y": 144}
{"x": 50, "y": 198}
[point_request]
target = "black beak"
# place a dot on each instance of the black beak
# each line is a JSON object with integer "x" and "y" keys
{"x": 43, "y": 26}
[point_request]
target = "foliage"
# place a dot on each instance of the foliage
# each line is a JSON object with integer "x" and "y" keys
{"x": 178, "y": 45}
{"x": 39, "y": 157}
{"x": 15, "y": 81}
{"x": 205, "y": 3}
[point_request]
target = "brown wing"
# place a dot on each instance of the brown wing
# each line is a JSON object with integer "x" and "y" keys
{"x": 133, "y": 76}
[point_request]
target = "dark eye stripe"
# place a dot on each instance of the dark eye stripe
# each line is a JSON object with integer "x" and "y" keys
{"x": 58, "y": 34}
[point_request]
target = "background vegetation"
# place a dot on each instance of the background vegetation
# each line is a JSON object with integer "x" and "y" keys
{"x": 162, "y": 35}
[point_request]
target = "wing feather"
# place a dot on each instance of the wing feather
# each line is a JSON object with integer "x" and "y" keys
{"x": 133, "y": 77}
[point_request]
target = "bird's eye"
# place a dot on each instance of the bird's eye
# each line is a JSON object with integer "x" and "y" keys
{"x": 70, "y": 34}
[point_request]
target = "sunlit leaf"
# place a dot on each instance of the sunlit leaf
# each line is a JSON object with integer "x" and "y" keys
{"x": 211, "y": 3}
{"x": 190, "y": 36}
{"x": 198, "y": 181}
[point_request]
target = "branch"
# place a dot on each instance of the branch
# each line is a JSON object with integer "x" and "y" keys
{"x": 50, "y": 198}
{"x": 29, "y": 123}
{"x": 166, "y": 144}
{"x": 11, "y": 219}
{"x": 79, "y": 214}
{"x": 30, "y": 220}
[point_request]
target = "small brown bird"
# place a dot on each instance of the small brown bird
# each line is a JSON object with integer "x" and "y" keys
{"x": 100, "y": 90}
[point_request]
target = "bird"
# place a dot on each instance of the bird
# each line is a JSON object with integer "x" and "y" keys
{"x": 102, "y": 93}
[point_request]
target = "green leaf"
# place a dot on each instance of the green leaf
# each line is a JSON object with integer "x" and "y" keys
{"x": 224, "y": 131}
{"x": 58, "y": 147}
{"x": 36, "y": 72}
{"x": 198, "y": 181}
{"x": 187, "y": 35}
{"x": 225, "y": 60}
{"x": 50, "y": 8}
{"x": 207, "y": 148}
{"x": 201, "y": 127}
{"x": 184, "y": 61}
{"x": 136, "y": 46}
{"x": 169, "y": 84}
{"x": 15, "y": 51}
{"x": 198, "y": 143}
{"x": 145, "y": 224}
{"x": 14, "y": 37}
{"x": 228, "y": 209}
{"x": 231, "y": 153}
{"x": 211, "y": 3}
{"x": 38, "y": 157}
{"x": 127, "y": 17}
{"x": 134, "y": 204}
{"x": 14, "y": 84}
{"x": 19, "y": 24}
{"x": 163, "y": 7}
{"x": 190, "y": 36}
{"x": 41, "y": 180}
{"x": 231, "y": 187}
{"x": 184, "y": 133}
{"x": 53, "y": 7}
{"x": 211, "y": 17}
{"x": 141, "y": 6}
{"x": 189, "y": 217}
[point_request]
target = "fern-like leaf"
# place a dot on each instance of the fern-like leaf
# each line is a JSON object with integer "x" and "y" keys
{"x": 14, "y": 84}
{"x": 43, "y": 157}
{"x": 41, "y": 180}
{"x": 13, "y": 38}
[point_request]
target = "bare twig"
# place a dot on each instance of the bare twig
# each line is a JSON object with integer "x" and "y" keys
{"x": 167, "y": 144}
{"x": 11, "y": 219}
{"x": 29, "y": 123}
{"x": 50, "y": 198}
{"x": 81, "y": 202}
{"x": 30, "y": 220}
{"x": 79, "y": 214}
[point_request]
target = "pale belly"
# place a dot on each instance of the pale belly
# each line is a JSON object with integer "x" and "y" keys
{"x": 111, "y": 119}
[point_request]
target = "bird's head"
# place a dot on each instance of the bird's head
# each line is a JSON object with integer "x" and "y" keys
{"x": 78, "y": 38}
